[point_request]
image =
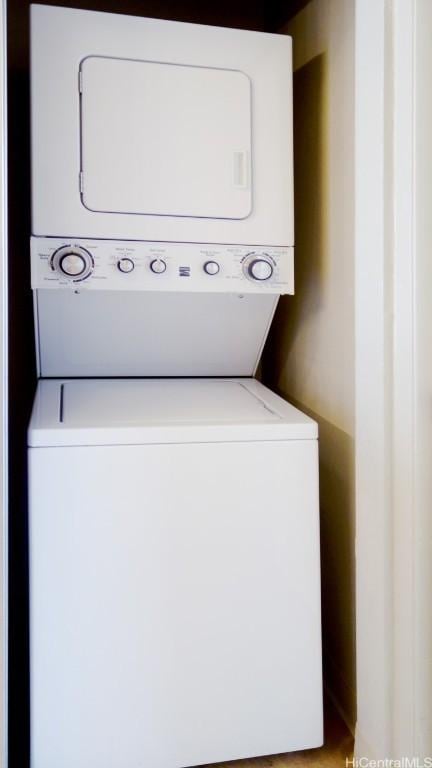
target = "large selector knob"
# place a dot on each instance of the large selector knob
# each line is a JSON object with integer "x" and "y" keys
{"x": 74, "y": 262}
{"x": 258, "y": 267}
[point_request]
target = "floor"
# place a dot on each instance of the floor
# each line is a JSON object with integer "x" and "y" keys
{"x": 338, "y": 745}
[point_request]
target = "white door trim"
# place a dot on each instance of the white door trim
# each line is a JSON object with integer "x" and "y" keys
{"x": 403, "y": 428}
{"x": 385, "y": 377}
{"x": 372, "y": 372}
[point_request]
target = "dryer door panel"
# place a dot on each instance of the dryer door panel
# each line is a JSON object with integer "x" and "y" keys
{"x": 165, "y": 139}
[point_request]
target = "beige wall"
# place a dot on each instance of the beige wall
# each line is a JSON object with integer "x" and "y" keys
{"x": 309, "y": 357}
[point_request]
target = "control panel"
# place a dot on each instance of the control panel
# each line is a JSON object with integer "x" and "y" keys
{"x": 145, "y": 266}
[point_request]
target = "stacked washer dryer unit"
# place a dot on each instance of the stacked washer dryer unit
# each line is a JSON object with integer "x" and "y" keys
{"x": 174, "y": 545}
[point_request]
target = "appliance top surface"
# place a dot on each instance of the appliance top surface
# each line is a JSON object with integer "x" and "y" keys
{"x": 40, "y": 8}
{"x": 134, "y": 411}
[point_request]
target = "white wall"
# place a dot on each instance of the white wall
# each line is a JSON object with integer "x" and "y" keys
{"x": 310, "y": 354}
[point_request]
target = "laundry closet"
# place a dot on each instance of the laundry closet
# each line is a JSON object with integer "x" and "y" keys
{"x": 160, "y": 306}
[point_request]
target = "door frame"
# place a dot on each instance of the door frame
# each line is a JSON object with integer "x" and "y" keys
{"x": 385, "y": 377}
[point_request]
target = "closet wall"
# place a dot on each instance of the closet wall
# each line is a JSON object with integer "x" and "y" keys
{"x": 309, "y": 357}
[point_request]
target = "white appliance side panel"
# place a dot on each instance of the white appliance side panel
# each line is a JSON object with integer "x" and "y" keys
{"x": 164, "y": 139}
{"x": 62, "y": 37}
{"x": 119, "y": 333}
{"x": 175, "y": 604}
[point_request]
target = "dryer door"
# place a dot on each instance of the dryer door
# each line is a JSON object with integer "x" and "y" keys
{"x": 165, "y": 139}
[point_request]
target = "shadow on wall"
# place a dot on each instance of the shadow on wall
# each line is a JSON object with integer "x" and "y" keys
{"x": 310, "y": 219}
{"x": 293, "y": 363}
{"x": 337, "y": 562}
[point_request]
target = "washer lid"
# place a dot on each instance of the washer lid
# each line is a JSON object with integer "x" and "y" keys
{"x": 139, "y": 411}
{"x": 165, "y": 139}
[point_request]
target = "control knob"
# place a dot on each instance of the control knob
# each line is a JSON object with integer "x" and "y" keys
{"x": 158, "y": 266}
{"x": 211, "y": 267}
{"x": 125, "y": 265}
{"x": 258, "y": 267}
{"x": 72, "y": 261}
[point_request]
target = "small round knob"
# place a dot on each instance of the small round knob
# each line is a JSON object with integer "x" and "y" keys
{"x": 260, "y": 269}
{"x": 211, "y": 267}
{"x": 158, "y": 266}
{"x": 73, "y": 262}
{"x": 125, "y": 265}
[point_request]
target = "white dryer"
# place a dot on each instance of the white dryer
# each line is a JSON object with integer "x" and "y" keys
{"x": 146, "y": 129}
{"x": 162, "y": 194}
{"x": 174, "y": 574}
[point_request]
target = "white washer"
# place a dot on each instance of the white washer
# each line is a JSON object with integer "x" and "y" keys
{"x": 174, "y": 574}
